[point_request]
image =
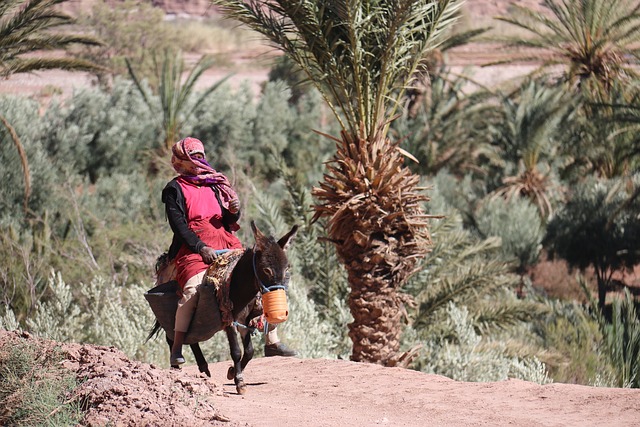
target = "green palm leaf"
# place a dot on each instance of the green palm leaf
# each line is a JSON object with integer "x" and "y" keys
{"x": 361, "y": 55}
{"x": 596, "y": 41}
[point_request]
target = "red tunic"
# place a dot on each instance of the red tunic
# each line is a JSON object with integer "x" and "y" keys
{"x": 204, "y": 217}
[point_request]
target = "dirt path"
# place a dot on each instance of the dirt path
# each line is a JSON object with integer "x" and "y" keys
{"x": 322, "y": 393}
{"x": 294, "y": 392}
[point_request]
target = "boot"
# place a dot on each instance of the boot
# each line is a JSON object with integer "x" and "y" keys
{"x": 176, "y": 349}
{"x": 278, "y": 349}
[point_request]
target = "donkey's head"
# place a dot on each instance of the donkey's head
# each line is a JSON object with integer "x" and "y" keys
{"x": 271, "y": 263}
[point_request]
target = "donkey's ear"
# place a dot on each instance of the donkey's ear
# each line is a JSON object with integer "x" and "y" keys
{"x": 284, "y": 240}
{"x": 257, "y": 234}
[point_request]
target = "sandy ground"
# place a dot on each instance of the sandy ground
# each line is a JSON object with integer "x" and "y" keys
{"x": 46, "y": 83}
{"x": 320, "y": 393}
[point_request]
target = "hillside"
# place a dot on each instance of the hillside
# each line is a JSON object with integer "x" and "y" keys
{"x": 316, "y": 393}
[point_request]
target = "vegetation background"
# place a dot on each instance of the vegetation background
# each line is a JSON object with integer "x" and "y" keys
{"x": 534, "y": 181}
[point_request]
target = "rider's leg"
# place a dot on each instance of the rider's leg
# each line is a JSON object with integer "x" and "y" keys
{"x": 186, "y": 307}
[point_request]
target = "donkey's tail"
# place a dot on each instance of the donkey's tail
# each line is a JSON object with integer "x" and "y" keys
{"x": 154, "y": 331}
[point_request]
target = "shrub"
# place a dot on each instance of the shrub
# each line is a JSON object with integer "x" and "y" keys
{"x": 23, "y": 114}
{"x": 100, "y": 313}
{"x": 34, "y": 388}
{"x": 621, "y": 338}
{"x": 466, "y": 356}
{"x": 573, "y": 344}
{"x": 98, "y": 133}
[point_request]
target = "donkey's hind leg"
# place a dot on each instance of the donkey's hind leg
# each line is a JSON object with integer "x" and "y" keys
{"x": 235, "y": 371}
{"x": 202, "y": 362}
{"x": 170, "y": 342}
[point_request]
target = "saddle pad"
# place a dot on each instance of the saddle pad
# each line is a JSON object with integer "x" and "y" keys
{"x": 206, "y": 320}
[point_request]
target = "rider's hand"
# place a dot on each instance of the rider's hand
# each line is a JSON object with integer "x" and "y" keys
{"x": 234, "y": 206}
{"x": 208, "y": 254}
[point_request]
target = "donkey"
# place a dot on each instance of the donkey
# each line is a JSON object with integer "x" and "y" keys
{"x": 260, "y": 268}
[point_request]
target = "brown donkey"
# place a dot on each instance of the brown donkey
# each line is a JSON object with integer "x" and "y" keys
{"x": 259, "y": 269}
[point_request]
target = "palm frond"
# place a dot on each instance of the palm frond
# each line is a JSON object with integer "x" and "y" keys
{"x": 595, "y": 40}
{"x": 26, "y": 27}
{"x": 28, "y": 65}
{"x": 489, "y": 316}
{"x": 360, "y": 54}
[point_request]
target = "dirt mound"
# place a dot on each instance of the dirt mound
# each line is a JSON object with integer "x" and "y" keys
{"x": 120, "y": 392}
{"x": 320, "y": 392}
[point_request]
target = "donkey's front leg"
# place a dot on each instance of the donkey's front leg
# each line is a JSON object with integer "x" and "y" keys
{"x": 235, "y": 371}
{"x": 248, "y": 347}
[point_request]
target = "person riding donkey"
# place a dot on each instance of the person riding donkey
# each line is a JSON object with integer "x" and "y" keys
{"x": 203, "y": 211}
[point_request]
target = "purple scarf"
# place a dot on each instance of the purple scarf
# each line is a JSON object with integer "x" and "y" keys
{"x": 199, "y": 172}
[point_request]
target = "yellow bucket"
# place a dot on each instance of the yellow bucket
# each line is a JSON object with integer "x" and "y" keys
{"x": 274, "y": 305}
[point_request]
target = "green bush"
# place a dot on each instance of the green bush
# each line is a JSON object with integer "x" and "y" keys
{"x": 23, "y": 114}
{"x": 517, "y": 223}
{"x": 621, "y": 338}
{"x": 98, "y": 133}
{"x": 466, "y": 356}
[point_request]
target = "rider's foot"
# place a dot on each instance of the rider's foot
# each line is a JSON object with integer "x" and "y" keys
{"x": 177, "y": 359}
{"x": 278, "y": 349}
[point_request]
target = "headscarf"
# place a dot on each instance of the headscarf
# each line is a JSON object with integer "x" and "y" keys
{"x": 199, "y": 172}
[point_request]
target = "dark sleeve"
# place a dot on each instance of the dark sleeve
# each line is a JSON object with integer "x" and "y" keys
{"x": 178, "y": 221}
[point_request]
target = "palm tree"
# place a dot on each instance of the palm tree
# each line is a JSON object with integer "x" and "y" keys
{"x": 525, "y": 143}
{"x": 595, "y": 41}
{"x": 25, "y": 29}
{"x": 362, "y": 55}
{"x": 175, "y": 94}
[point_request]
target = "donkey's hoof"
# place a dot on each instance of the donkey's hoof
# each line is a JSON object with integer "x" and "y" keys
{"x": 231, "y": 373}
{"x": 205, "y": 370}
{"x": 241, "y": 388}
{"x": 175, "y": 367}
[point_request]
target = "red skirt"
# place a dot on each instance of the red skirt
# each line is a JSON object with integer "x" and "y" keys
{"x": 213, "y": 234}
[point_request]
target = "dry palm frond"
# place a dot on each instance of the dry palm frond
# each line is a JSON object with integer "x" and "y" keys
{"x": 375, "y": 218}
{"x": 373, "y": 203}
{"x": 530, "y": 184}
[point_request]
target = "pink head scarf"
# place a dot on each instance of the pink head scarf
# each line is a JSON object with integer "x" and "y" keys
{"x": 199, "y": 172}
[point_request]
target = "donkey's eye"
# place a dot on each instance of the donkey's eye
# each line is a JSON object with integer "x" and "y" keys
{"x": 268, "y": 272}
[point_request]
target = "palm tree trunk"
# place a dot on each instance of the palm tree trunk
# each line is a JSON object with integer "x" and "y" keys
{"x": 377, "y": 223}
{"x": 376, "y": 328}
